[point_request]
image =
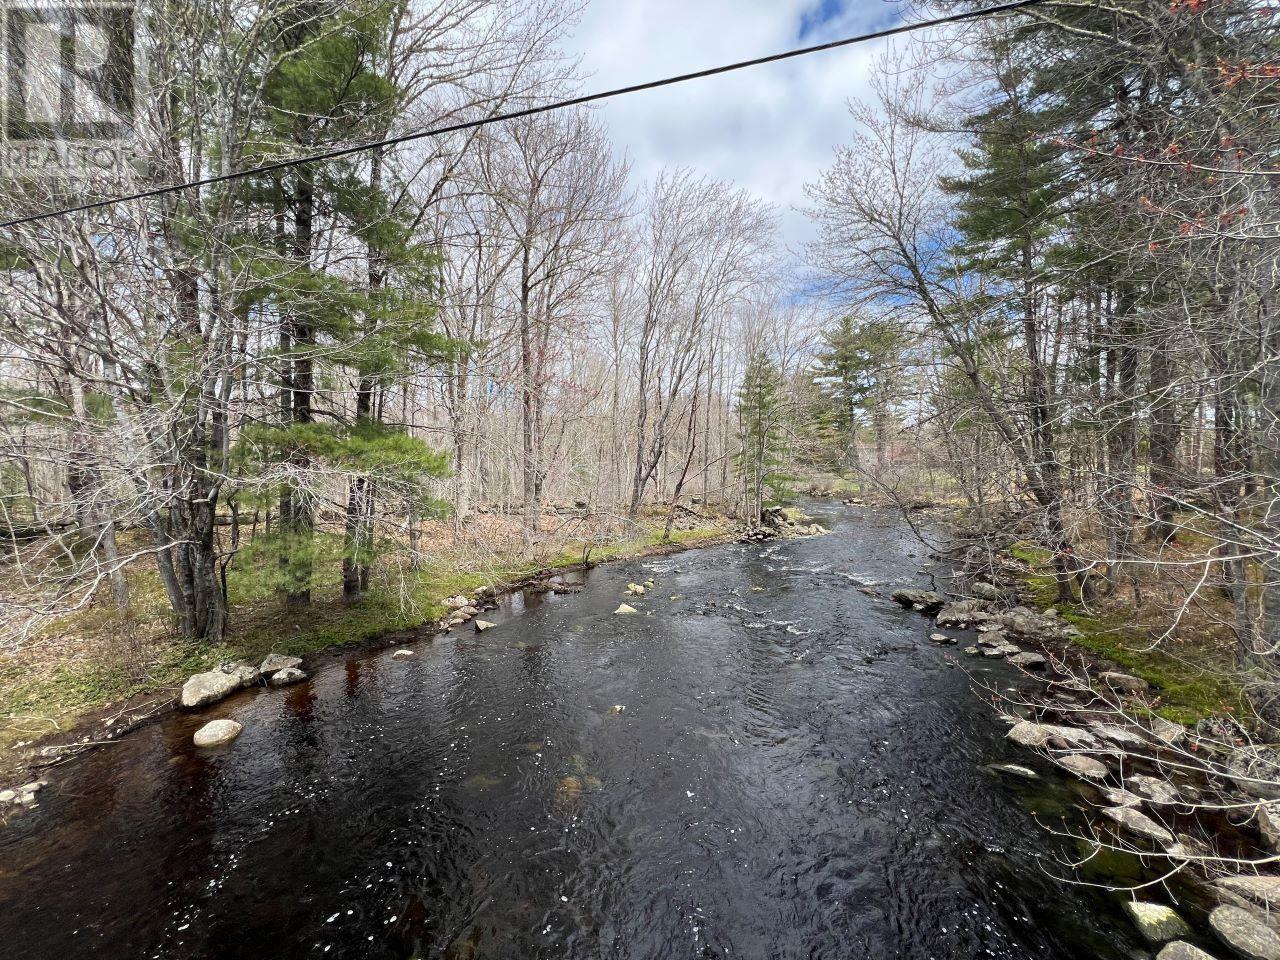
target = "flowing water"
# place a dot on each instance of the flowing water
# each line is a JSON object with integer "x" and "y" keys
{"x": 797, "y": 773}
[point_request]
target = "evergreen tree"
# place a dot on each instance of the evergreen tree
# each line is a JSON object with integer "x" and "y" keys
{"x": 857, "y": 371}
{"x": 762, "y": 438}
{"x": 368, "y": 329}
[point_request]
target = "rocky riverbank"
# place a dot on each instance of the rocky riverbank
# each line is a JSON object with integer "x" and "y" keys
{"x": 1202, "y": 803}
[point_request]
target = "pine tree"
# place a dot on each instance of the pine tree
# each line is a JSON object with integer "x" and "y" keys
{"x": 369, "y": 329}
{"x": 857, "y": 370}
{"x": 762, "y": 438}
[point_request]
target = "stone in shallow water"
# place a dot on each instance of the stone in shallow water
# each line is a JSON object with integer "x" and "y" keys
{"x": 1157, "y": 922}
{"x": 1139, "y": 823}
{"x": 625, "y": 608}
{"x": 287, "y": 677}
{"x": 1183, "y": 951}
{"x": 1245, "y": 933}
{"x": 1082, "y": 766}
{"x": 925, "y": 601}
{"x": 1016, "y": 770}
{"x": 483, "y": 625}
{"x": 217, "y": 732}
{"x": 276, "y": 662}
{"x": 402, "y": 655}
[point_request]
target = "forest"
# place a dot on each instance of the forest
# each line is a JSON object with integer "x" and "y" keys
{"x": 1039, "y": 292}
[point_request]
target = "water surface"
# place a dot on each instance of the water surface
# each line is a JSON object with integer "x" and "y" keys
{"x": 796, "y": 773}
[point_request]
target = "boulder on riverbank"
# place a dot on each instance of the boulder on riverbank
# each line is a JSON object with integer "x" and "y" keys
{"x": 1041, "y": 735}
{"x": 216, "y": 733}
{"x": 1183, "y": 951}
{"x": 1139, "y": 824}
{"x": 1124, "y": 683}
{"x": 1029, "y": 661}
{"x": 1157, "y": 922}
{"x": 1087, "y": 767}
{"x": 214, "y": 685}
{"x": 1245, "y": 933}
{"x": 1260, "y": 891}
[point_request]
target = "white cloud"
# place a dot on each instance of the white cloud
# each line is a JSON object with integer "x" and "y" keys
{"x": 768, "y": 129}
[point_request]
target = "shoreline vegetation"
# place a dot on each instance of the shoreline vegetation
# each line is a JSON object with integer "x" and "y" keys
{"x": 94, "y": 675}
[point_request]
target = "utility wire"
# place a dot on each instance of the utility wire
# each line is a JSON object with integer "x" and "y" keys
{"x": 347, "y": 151}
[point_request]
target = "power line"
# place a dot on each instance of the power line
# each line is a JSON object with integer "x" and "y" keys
{"x": 527, "y": 112}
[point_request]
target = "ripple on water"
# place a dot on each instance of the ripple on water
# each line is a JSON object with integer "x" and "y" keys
{"x": 795, "y": 775}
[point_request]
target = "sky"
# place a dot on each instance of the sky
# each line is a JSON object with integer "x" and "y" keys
{"x": 769, "y": 129}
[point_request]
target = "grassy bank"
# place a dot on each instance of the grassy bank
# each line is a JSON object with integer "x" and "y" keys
{"x": 80, "y": 665}
{"x": 1194, "y": 670}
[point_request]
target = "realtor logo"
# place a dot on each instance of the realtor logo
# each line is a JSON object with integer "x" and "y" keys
{"x": 70, "y": 87}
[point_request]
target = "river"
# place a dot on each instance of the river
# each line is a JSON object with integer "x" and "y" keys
{"x": 797, "y": 773}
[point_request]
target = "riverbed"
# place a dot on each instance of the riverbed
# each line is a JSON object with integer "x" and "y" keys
{"x": 764, "y": 762}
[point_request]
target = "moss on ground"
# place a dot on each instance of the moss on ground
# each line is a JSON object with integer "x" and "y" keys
{"x": 1195, "y": 678}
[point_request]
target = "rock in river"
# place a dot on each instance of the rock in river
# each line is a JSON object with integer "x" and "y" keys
{"x": 624, "y": 608}
{"x": 287, "y": 677}
{"x": 24, "y": 795}
{"x": 1245, "y": 933}
{"x": 212, "y": 686}
{"x": 402, "y": 655}
{"x": 1139, "y": 824}
{"x": 276, "y": 662}
{"x": 1158, "y": 923}
{"x": 1015, "y": 770}
{"x": 1083, "y": 766}
{"x": 963, "y": 613}
{"x": 483, "y": 625}
{"x": 217, "y": 732}
{"x": 925, "y": 601}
